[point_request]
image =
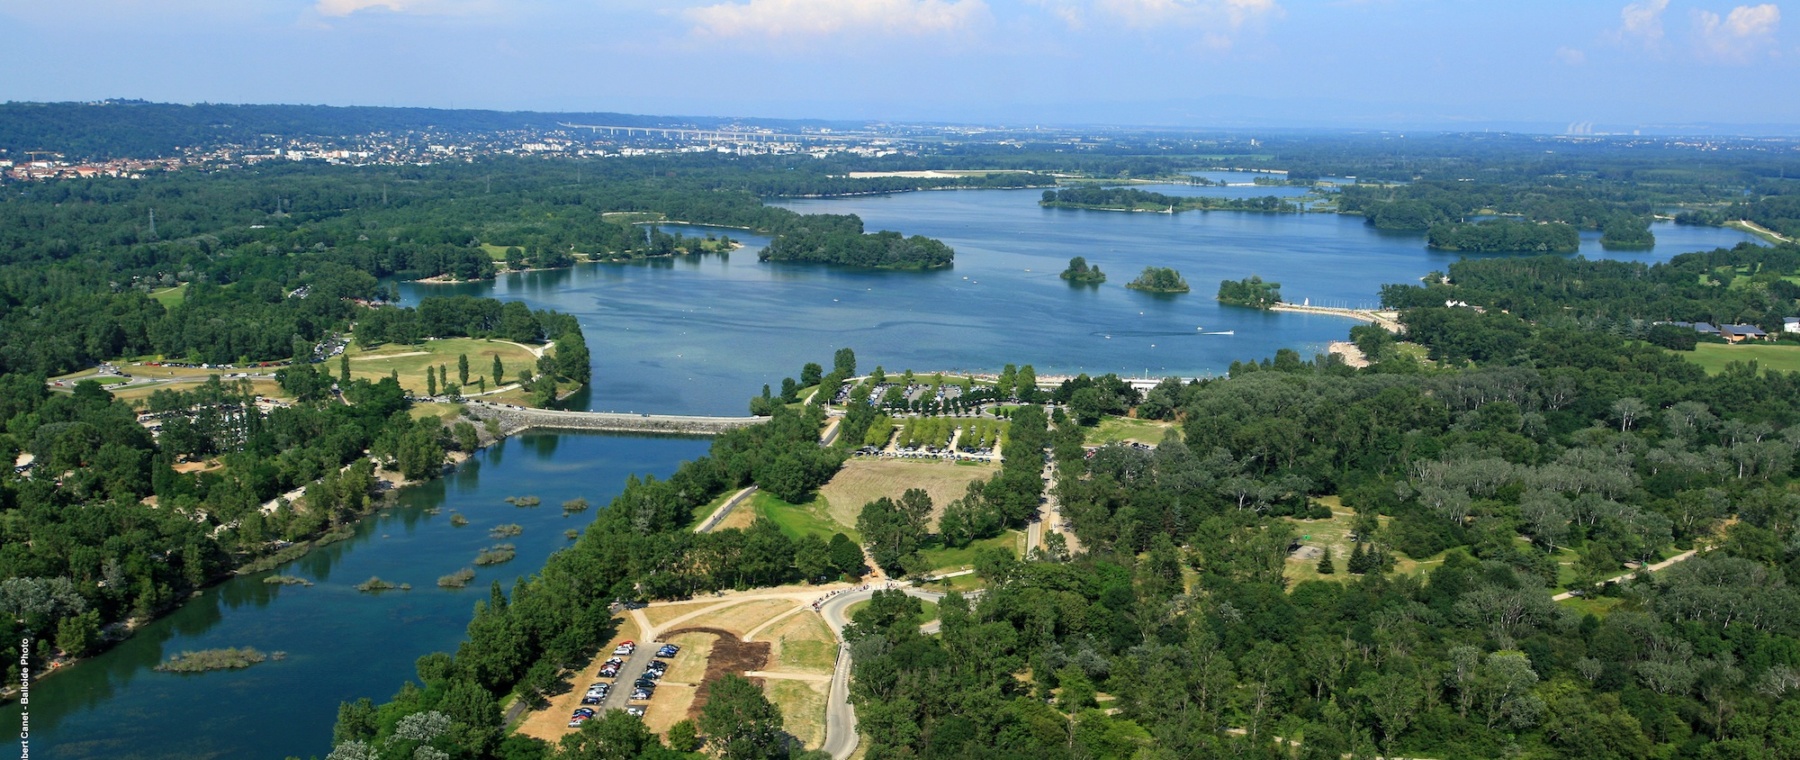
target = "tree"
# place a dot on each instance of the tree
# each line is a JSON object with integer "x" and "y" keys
{"x": 846, "y": 556}
{"x": 1325, "y": 566}
{"x": 77, "y": 634}
{"x": 1077, "y": 690}
{"x": 499, "y": 372}
{"x": 810, "y": 374}
{"x": 344, "y": 368}
{"x": 462, "y": 369}
{"x": 684, "y": 736}
{"x": 741, "y": 723}
{"x": 430, "y": 382}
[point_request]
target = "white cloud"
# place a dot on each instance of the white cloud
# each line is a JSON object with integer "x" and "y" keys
{"x": 1571, "y": 56}
{"x": 811, "y": 18}
{"x": 431, "y": 7}
{"x": 1642, "y": 22}
{"x": 1229, "y": 14}
{"x": 1740, "y": 34}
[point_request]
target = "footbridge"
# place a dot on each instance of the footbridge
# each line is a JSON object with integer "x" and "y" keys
{"x": 513, "y": 419}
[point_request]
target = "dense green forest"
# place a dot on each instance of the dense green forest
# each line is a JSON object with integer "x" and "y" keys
{"x": 1746, "y": 284}
{"x": 1504, "y": 236}
{"x": 1251, "y": 291}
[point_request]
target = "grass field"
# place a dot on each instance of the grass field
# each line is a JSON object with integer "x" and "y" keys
{"x": 796, "y": 520}
{"x": 865, "y": 480}
{"x": 412, "y": 361}
{"x": 170, "y": 297}
{"x": 802, "y": 706}
{"x": 1713, "y": 357}
{"x": 801, "y": 644}
{"x": 1333, "y": 534}
{"x": 1115, "y": 429}
{"x": 1598, "y": 606}
{"x": 930, "y": 613}
{"x": 949, "y": 560}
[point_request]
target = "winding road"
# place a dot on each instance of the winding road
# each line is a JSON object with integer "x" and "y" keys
{"x": 840, "y": 717}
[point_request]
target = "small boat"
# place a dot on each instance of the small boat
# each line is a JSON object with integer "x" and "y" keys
{"x": 1223, "y": 332}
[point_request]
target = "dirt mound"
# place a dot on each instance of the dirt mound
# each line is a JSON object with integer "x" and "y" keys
{"x": 729, "y": 655}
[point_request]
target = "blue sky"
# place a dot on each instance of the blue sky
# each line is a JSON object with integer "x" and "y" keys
{"x": 1354, "y": 63}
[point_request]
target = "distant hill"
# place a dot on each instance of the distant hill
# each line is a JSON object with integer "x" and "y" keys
{"x": 137, "y": 129}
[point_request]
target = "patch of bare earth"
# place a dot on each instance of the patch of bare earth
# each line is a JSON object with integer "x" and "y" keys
{"x": 729, "y": 655}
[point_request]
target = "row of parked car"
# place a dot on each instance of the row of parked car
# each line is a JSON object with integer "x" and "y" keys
{"x": 643, "y": 689}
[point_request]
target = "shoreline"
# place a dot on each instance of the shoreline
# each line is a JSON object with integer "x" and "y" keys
{"x": 1389, "y": 320}
{"x": 388, "y": 484}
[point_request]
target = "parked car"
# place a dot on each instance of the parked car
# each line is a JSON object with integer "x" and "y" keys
{"x": 668, "y": 650}
{"x": 625, "y": 648}
{"x": 635, "y": 710}
{"x": 592, "y": 699}
{"x": 584, "y": 711}
{"x": 644, "y": 693}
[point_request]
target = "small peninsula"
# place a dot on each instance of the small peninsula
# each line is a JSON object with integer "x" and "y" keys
{"x": 1079, "y": 273}
{"x": 1159, "y": 280}
{"x": 1251, "y": 291}
{"x": 839, "y": 239}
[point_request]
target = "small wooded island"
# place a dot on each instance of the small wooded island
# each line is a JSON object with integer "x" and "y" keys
{"x": 1627, "y": 233}
{"x": 1159, "y": 280}
{"x": 1504, "y": 236}
{"x": 1251, "y": 291}
{"x": 1079, "y": 273}
{"x": 839, "y": 239}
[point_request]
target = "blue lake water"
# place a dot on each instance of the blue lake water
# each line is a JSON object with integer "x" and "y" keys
{"x": 701, "y": 335}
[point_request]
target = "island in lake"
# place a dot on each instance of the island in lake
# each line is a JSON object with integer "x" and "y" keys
{"x": 1079, "y": 273}
{"x": 1159, "y": 280}
{"x": 1251, "y": 291}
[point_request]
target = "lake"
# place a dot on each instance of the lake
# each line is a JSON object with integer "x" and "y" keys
{"x": 700, "y": 335}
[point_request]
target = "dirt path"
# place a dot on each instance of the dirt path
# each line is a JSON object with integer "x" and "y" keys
{"x": 1689, "y": 554}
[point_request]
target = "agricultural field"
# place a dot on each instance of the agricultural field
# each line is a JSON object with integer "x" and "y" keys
{"x": 864, "y": 480}
{"x": 1781, "y": 357}
{"x": 411, "y": 362}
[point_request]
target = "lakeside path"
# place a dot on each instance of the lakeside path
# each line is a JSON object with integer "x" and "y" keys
{"x": 1388, "y": 320}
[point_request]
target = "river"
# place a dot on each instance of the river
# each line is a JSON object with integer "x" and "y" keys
{"x": 341, "y": 644}
{"x": 700, "y": 335}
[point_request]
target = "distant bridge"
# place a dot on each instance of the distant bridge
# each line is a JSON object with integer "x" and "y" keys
{"x": 513, "y": 419}
{"x": 704, "y": 134}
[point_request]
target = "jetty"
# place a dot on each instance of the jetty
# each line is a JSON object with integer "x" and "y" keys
{"x": 1388, "y": 320}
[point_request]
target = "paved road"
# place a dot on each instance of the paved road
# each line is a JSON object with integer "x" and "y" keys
{"x": 712, "y": 521}
{"x": 634, "y": 666}
{"x": 840, "y": 717}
